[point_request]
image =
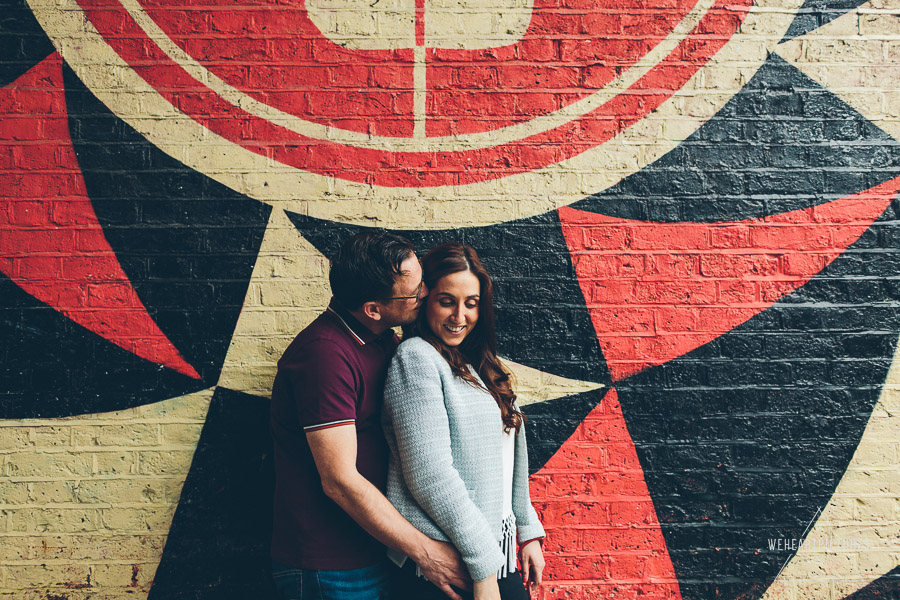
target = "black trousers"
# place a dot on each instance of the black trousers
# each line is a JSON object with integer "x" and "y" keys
{"x": 406, "y": 585}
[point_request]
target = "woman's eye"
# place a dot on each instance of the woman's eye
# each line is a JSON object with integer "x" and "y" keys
{"x": 472, "y": 305}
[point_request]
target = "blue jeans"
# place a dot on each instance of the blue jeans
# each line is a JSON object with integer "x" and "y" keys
{"x": 368, "y": 583}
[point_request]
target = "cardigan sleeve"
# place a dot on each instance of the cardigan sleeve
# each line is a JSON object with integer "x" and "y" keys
{"x": 414, "y": 406}
{"x": 528, "y": 525}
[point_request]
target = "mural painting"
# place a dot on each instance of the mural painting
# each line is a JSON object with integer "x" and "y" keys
{"x": 690, "y": 210}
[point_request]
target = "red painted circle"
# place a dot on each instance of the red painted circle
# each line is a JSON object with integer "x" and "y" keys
{"x": 272, "y": 52}
{"x": 282, "y": 59}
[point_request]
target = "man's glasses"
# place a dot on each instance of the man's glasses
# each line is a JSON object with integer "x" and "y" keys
{"x": 413, "y": 297}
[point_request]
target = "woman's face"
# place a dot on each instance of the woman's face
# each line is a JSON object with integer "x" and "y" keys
{"x": 452, "y": 306}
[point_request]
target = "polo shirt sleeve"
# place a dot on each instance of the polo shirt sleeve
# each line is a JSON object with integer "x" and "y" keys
{"x": 325, "y": 387}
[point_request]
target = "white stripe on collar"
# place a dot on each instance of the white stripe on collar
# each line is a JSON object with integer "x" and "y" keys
{"x": 350, "y": 329}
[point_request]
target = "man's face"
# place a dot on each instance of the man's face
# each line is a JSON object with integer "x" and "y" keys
{"x": 406, "y": 302}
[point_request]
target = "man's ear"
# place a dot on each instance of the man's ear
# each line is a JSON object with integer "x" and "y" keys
{"x": 371, "y": 310}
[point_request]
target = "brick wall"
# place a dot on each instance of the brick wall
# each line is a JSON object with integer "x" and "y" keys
{"x": 689, "y": 211}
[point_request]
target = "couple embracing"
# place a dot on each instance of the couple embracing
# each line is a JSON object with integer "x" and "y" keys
{"x": 418, "y": 448}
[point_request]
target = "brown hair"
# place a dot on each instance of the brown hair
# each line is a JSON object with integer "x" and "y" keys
{"x": 479, "y": 348}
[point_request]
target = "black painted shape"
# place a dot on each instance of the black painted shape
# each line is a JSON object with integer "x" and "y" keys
{"x": 782, "y": 143}
{"x": 883, "y": 588}
{"x": 218, "y": 545}
{"x": 52, "y": 367}
{"x": 552, "y": 422}
{"x": 815, "y": 13}
{"x": 744, "y": 439}
{"x": 187, "y": 243}
{"x": 542, "y": 321}
{"x": 23, "y": 43}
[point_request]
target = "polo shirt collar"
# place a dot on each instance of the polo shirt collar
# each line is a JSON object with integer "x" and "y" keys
{"x": 362, "y": 334}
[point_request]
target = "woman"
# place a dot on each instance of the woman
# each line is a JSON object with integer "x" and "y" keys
{"x": 459, "y": 467}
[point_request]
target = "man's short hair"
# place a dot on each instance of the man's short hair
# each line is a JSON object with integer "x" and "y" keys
{"x": 365, "y": 267}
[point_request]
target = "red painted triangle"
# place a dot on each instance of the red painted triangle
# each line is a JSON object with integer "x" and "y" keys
{"x": 601, "y": 524}
{"x": 656, "y": 291}
{"x": 51, "y": 243}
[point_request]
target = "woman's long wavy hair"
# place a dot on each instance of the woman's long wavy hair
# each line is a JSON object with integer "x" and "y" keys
{"x": 479, "y": 348}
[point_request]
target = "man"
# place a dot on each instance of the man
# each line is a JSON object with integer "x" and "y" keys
{"x": 330, "y": 515}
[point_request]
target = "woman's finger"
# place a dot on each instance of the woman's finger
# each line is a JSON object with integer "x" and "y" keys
{"x": 538, "y": 575}
{"x": 532, "y": 566}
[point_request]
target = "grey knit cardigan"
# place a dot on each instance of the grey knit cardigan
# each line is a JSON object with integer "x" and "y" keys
{"x": 445, "y": 474}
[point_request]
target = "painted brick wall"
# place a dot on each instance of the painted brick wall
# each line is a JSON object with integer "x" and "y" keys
{"x": 689, "y": 210}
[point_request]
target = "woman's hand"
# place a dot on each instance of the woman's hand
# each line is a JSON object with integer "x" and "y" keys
{"x": 487, "y": 589}
{"x": 531, "y": 556}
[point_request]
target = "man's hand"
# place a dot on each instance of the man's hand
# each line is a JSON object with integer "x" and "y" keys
{"x": 441, "y": 564}
{"x": 334, "y": 451}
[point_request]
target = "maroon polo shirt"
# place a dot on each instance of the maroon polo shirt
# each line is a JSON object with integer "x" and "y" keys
{"x": 331, "y": 375}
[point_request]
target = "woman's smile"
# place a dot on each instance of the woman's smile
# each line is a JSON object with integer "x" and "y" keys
{"x": 452, "y": 306}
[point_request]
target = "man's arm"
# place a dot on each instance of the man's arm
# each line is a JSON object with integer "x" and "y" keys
{"x": 334, "y": 450}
